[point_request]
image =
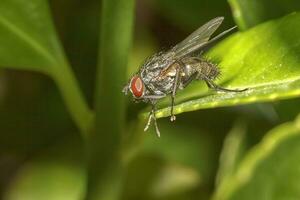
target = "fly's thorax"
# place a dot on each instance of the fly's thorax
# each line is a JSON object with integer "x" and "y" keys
{"x": 151, "y": 67}
{"x": 158, "y": 85}
{"x": 151, "y": 73}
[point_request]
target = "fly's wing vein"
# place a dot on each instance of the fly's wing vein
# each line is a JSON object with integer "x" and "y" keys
{"x": 198, "y": 38}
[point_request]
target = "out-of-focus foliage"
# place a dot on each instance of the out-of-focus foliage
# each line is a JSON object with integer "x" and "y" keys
{"x": 42, "y": 158}
{"x": 273, "y": 74}
{"x": 250, "y": 13}
{"x": 269, "y": 170}
{"x": 233, "y": 149}
{"x": 58, "y": 173}
{"x": 190, "y": 14}
{"x": 28, "y": 41}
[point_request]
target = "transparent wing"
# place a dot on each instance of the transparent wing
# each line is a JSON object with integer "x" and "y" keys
{"x": 198, "y": 38}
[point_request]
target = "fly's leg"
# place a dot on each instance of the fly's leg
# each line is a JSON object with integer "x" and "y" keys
{"x": 154, "y": 97}
{"x": 216, "y": 87}
{"x": 189, "y": 80}
{"x": 175, "y": 86}
{"x": 152, "y": 117}
{"x": 149, "y": 121}
{"x": 155, "y": 121}
{"x": 177, "y": 65}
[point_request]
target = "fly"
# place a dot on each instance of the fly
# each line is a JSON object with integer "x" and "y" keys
{"x": 166, "y": 72}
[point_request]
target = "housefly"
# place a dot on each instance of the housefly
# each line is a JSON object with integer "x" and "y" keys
{"x": 166, "y": 72}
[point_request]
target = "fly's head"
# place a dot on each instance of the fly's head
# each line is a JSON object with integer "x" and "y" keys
{"x": 136, "y": 87}
{"x": 143, "y": 83}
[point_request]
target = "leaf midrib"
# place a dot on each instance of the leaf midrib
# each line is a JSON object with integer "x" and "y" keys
{"x": 28, "y": 39}
{"x": 160, "y": 112}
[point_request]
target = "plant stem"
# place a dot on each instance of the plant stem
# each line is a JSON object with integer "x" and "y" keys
{"x": 106, "y": 170}
{"x": 80, "y": 112}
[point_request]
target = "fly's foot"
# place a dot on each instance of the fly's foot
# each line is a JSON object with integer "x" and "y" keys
{"x": 152, "y": 117}
{"x": 173, "y": 118}
{"x": 157, "y": 130}
{"x": 146, "y": 128}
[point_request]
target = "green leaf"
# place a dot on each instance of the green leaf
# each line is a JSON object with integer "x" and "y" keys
{"x": 248, "y": 13}
{"x": 264, "y": 59}
{"x": 29, "y": 42}
{"x": 27, "y": 36}
{"x": 231, "y": 151}
{"x": 269, "y": 170}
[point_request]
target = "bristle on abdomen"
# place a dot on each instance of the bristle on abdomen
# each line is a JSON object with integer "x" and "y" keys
{"x": 209, "y": 70}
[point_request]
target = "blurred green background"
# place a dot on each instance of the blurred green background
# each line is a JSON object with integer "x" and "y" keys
{"x": 43, "y": 156}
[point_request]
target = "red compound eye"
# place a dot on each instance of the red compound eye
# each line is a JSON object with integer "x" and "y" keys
{"x": 137, "y": 86}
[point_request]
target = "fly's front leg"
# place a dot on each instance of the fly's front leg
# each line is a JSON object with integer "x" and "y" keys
{"x": 151, "y": 117}
{"x": 155, "y": 121}
{"x": 153, "y": 99}
{"x": 149, "y": 120}
{"x": 216, "y": 87}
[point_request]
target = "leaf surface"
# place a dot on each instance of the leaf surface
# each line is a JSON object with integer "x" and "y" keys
{"x": 264, "y": 59}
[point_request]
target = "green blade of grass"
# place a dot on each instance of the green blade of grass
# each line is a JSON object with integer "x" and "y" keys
{"x": 105, "y": 175}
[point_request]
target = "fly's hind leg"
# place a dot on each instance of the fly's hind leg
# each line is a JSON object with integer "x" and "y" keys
{"x": 216, "y": 87}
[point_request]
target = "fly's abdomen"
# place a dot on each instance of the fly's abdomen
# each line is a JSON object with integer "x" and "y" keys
{"x": 208, "y": 70}
{"x": 203, "y": 68}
